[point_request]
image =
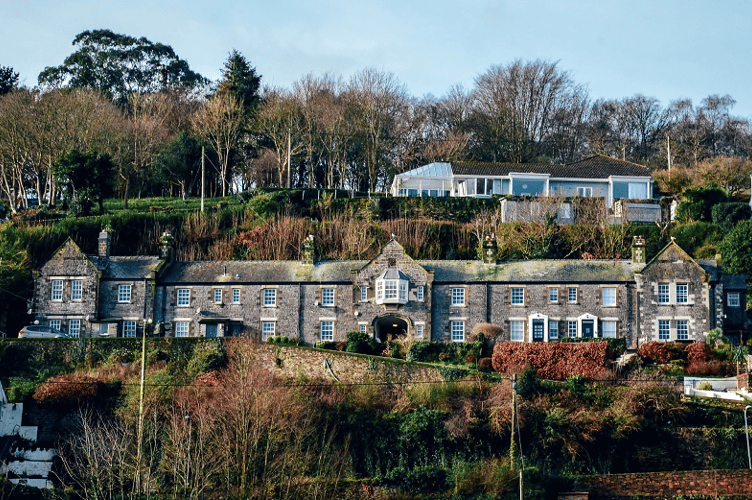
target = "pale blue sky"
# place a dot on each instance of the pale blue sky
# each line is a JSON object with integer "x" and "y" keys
{"x": 668, "y": 49}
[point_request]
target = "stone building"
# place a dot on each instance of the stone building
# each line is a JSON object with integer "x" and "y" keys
{"x": 671, "y": 297}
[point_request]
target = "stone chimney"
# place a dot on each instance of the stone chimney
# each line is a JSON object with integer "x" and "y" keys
{"x": 309, "y": 250}
{"x": 167, "y": 246}
{"x": 104, "y": 245}
{"x": 490, "y": 250}
{"x": 638, "y": 250}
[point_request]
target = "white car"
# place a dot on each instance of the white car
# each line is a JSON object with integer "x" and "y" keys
{"x": 41, "y": 332}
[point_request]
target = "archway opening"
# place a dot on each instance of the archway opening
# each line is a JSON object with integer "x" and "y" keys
{"x": 389, "y": 326}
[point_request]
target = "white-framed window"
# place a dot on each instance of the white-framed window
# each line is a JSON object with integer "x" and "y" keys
{"x": 608, "y": 329}
{"x": 104, "y": 329}
{"x": 682, "y": 293}
{"x": 458, "y": 296}
{"x": 57, "y": 291}
{"x": 270, "y": 297}
{"x": 327, "y": 297}
{"x": 419, "y": 293}
{"x": 517, "y": 331}
{"x": 236, "y": 295}
{"x": 608, "y": 296}
{"x": 585, "y": 192}
{"x": 572, "y": 328}
{"x": 682, "y": 329}
{"x": 664, "y": 293}
{"x": 327, "y": 330}
{"x": 518, "y": 296}
{"x": 54, "y": 323}
{"x": 390, "y": 289}
{"x": 732, "y": 299}
{"x": 664, "y": 329}
{"x": 181, "y": 328}
{"x": 458, "y": 331}
{"x": 268, "y": 329}
{"x": 364, "y": 294}
{"x": 553, "y": 294}
{"x": 419, "y": 331}
{"x": 572, "y": 294}
{"x": 553, "y": 329}
{"x": 363, "y": 328}
{"x": 217, "y": 295}
{"x": 77, "y": 290}
{"x": 129, "y": 328}
{"x": 74, "y": 327}
{"x": 124, "y": 293}
{"x": 184, "y": 297}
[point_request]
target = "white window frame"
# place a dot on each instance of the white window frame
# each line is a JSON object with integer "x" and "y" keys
{"x": 517, "y": 330}
{"x": 327, "y": 297}
{"x": 664, "y": 293}
{"x": 54, "y": 323}
{"x": 664, "y": 330}
{"x": 124, "y": 294}
{"x": 608, "y": 329}
{"x": 363, "y": 293}
{"x": 269, "y": 297}
{"x": 236, "y": 295}
{"x": 129, "y": 328}
{"x": 56, "y": 291}
{"x": 182, "y": 328}
{"x": 326, "y": 330}
{"x": 572, "y": 328}
{"x": 183, "y": 297}
{"x": 363, "y": 328}
{"x": 217, "y": 295}
{"x": 553, "y": 329}
{"x": 268, "y": 329}
{"x": 682, "y": 329}
{"x": 585, "y": 192}
{"x": 458, "y": 296}
{"x": 572, "y": 294}
{"x": 390, "y": 289}
{"x": 457, "y": 329}
{"x": 74, "y": 327}
{"x": 553, "y": 294}
{"x": 682, "y": 293}
{"x": 733, "y": 299}
{"x": 418, "y": 330}
{"x": 77, "y": 290}
{"x": 517, "y": 296}
{"x": 608, "y": 296}
{"x": 419, "y": 293}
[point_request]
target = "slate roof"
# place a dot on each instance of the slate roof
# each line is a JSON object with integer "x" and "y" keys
{"x": 259, "y": 272}
{"x": 594, "y": 167}
{"x": 118, "y": 268}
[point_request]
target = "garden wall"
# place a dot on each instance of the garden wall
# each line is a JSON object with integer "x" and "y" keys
{"x": 710, "y": 483}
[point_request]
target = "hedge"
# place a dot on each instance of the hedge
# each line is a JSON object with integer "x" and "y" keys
{"x": 556, "y": 361}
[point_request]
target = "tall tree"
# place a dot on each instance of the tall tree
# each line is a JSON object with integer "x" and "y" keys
{"x": 88, "y": 175}
{"x": 119, "y": 65}
{"x": 240, "y": 80}
{"x": 8, "y": 79}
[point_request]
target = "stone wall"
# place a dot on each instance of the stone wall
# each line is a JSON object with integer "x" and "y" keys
{"x": 710, "y": 483}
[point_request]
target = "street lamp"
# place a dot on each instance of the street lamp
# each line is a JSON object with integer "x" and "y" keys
{"x": 746, "y": 433}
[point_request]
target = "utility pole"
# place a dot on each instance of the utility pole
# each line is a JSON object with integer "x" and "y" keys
{"x": 202, "y": 178}
{"x": 140, "y": 436}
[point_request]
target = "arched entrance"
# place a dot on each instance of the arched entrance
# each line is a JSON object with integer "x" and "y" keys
{"x": 389, "y": 325}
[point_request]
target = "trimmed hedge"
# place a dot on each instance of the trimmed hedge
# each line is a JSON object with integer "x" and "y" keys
{"x": 556, "y": 361}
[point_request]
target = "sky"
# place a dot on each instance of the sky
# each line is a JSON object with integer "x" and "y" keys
{"x": 666, "y": 49}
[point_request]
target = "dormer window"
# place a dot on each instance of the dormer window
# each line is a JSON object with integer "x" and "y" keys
{"x": 391, "y": 287}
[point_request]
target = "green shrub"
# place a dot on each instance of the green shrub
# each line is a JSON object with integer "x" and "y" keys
{"x": 208, "y": 355}
{"x": 21, "y": 388}
{"x": 450, "y": 374}
{"x": 697, "y": 203}
{"x": 726, "y": 215}
{"x": 421, "y": 479}
{"x": 423, "y": 351}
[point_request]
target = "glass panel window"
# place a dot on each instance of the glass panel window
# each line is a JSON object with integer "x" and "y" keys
{"x": 664, "y": 331}
{"x": 76, "y": 290}
{"x": 609, "y": 329}
{"x": 732, "y": 299}
{"x": 104, "y": 329}
{"x": 572, "y": 295}
{"x": 609, "y": 296}
{"x": 181, "y": 328}
{"x": 74, "y": 327}
{"x": 458, "y": 296}
{"x": 124, "y": 293}
{"x": 217, "y": 295}
{"x": 553, "y": 294}
{"x": 129, "y": 328}
{"x": 327, "y": 330}
{"x": 419, "y": 293}
{"x": 267, "y": 329}
{"x": 184, "y": 297}
{"x": 362, "y": 328}
{"x": 553, "y": 330}
{"x": 419, "y": 331}
{"x": 236, "y": 295}
{"x": 682, "y": 329}
{"x": 327, "y": 297}
{"x": 572, "y": 329}
{"x": 458, "y": 331}
{"x": 402, "y": 291}
{"x": 270, "y": 297}
{"x": 663, "y": 293}
{"x": 364, "y": 294}
{"x": 517, "y": 331}
{"x": 518, "y": 296}
{"x": 57, "y": 290}
{"x": 585, "y": 192}
{"x": 682, "y": 293}
{"x": 390, "y": 289}
{"x": 55, "y": 323}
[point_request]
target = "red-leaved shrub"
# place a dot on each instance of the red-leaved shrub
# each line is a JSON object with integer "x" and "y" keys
{"x": 697, "y": 351}
{"x": 700, "y": 368}
{"x": 552, "y": 360}
{"x": 657, "y": 352}
{"x": 67, "y": 389}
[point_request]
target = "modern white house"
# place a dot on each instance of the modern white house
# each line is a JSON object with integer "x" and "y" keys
{"x": 596, "y": 176}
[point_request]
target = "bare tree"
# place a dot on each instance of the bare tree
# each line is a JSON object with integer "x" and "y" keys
{"x": 279, "y": 119}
